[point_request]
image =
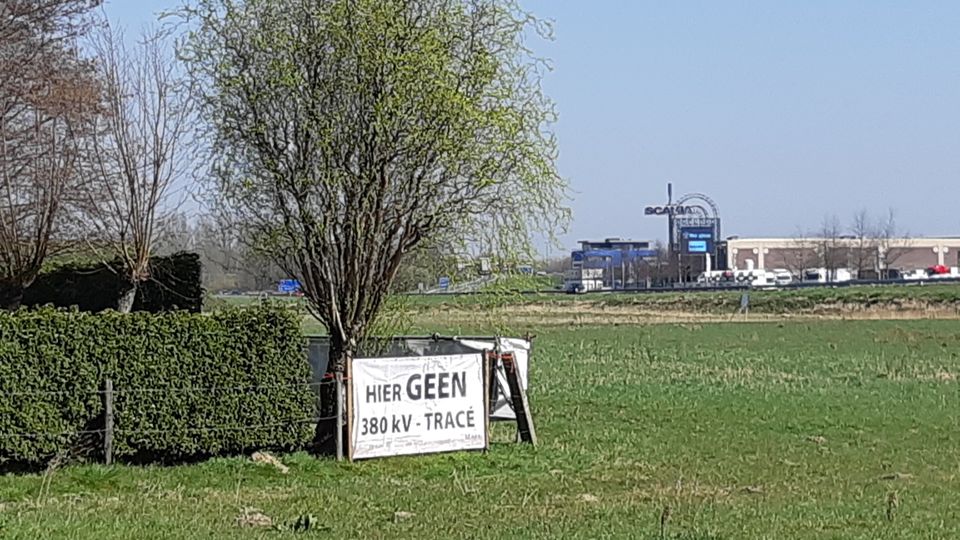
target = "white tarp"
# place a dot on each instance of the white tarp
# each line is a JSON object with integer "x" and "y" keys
{"x": 503, "y": 408}
{"x": 417, "y": 405}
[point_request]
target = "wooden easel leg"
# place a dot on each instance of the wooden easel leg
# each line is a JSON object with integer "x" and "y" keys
{"x": 493, "y": 387}
{"x": 521, "y": 406}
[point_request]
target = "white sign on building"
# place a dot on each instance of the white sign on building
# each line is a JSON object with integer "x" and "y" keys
{"x": 417, "y": 405}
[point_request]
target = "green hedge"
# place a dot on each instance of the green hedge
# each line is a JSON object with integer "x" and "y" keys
{"x": 186, "y": 385}
{"x": 175, "y": 284}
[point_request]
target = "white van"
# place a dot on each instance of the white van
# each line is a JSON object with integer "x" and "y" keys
{"x": 822, "y": 275}
{"x": 782, "y": 276}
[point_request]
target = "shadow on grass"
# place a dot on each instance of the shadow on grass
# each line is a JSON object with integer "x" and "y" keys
{"x": 685, "y": 535}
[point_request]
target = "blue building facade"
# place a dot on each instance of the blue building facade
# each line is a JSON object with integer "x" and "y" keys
{"x": 615, "y": 256}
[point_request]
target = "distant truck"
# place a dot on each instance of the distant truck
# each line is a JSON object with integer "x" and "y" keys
{"x": 937, "y": 271}
{"x": 752, "y": 278}
{"x": 940, "y": 271}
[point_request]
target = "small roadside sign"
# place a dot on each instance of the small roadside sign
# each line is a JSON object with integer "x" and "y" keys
{"x": 444, "y": 283}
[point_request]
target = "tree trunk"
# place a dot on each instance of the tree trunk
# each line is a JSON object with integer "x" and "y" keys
{"x": 11, "y": 294}
{"x": 325, "y": 437}
{"x": 125, "y": 303}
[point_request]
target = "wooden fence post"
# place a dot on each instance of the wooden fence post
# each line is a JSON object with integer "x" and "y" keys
{"x": 349, "y": 410}
{"x": 339, "y": 379}
{"x": 108, "y": 422}
{"x": 488, "y": 396}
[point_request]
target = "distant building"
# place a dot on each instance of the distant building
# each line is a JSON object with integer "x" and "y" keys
{"x": 869, "y": 257}
{"x": 617, "y": 258}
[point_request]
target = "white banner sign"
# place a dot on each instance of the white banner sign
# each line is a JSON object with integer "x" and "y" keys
{"x": 417, "y": 405}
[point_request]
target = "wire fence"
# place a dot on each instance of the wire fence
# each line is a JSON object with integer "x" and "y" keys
{"x": 170, "y": 389}
{"x": 110, "y": 412}
{"x": 133, "y": 415}
{"x": 198, "y": 429}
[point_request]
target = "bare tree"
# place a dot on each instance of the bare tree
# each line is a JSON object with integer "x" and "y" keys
{"x": 178, "y": 234}
{"x": 349, "y": 132}
{"x": 659, "y": 269}
{"x": 139, "y": 153}
{"x": 891, "y": 244}
{"x": 228, "y": 263}
{"x": 34, "y": 33}
{"x": 865, "y": 247}
{"x": 46, "y": 91}
{"x": 830, "y": 247}
{"x": 804, "y": 254}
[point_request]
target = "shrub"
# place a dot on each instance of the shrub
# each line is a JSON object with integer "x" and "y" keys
{"x": 186, "y": 385}
{"x": 175, "y": 284}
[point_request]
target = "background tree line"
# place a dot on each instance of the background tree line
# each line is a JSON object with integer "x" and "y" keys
{"x": 349, "y": 144}
{"x": 94, "y": 138}
{"x": 868, "y": 245}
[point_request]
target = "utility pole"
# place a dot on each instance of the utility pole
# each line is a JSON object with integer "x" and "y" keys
{"x": 670, "y": 215}
{"x": 671, "y": 251}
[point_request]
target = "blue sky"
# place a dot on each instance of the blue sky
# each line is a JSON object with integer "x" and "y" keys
{"x": 783, "y": 112}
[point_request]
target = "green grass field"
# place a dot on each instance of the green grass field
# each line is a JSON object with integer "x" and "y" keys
{"x": 770, "y": 301}
{"x": 508, "y": 311}
{"x": 744, "y": 430}
{"x": 764, "y": 301}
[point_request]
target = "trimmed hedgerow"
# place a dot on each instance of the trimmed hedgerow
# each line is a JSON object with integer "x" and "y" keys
{"x": 174, "y": 284}
{"x": 186, "y": 386}
{"x": 49, "y": 380}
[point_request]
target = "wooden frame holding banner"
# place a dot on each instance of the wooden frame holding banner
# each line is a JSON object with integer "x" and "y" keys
{"x": 417, "y": 405}
{"x": 517, "y": 395}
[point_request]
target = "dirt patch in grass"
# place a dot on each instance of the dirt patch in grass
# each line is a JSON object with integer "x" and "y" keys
{"x": 595, "y": 313}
